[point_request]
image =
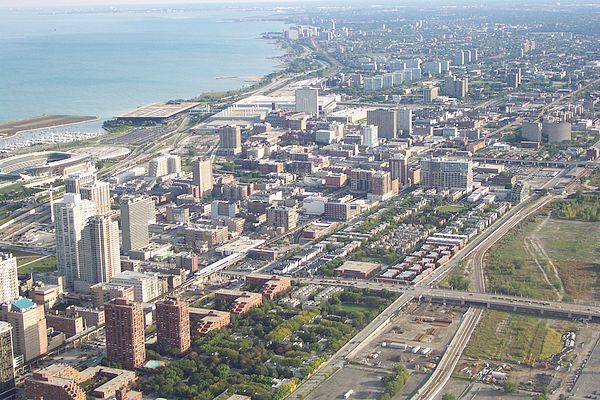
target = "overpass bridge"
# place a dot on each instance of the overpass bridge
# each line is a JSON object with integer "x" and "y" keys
{"x": 532, "y": 163}
{"x": 551, "y": 309}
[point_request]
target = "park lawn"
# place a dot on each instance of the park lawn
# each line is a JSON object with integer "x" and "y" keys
{"x": 509, "y": 269}
{"x": 377, "y": 255}
{"x": 27, "y": 259}
{"x": 502, "y": 336}
{"x": 450, "y": 208}
{"x": 13, "y": 187}
{"x": 40, "y": 264}
{"x": 349, "y": 307}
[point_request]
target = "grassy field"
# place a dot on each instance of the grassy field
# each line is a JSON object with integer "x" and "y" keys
{"x": 574, "y": 248}
{"x": 450, "y": 208}
{"x": 28, "y": 263}
{"x": 354, "y": 307}
{"x": 516, "y": 338}
{"x": 514, "y": 265}
{"x": 594, "y": 178}
{"x": 510, "y": 269}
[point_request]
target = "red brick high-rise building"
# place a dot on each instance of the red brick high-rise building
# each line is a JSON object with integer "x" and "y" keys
{"x": 173, "y": 323}
{"x": 125, "y": 341}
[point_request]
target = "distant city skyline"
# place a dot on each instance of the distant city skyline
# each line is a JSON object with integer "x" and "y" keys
{"x": 18, "y": 4}
{"x": 61, "y": 3}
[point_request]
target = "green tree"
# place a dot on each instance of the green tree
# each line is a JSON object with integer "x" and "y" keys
{"x": 510, "y": 387}
{"x": 458, "y": 282}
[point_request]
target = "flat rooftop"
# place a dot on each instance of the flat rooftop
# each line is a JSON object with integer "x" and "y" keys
{"x": 240, "y": 245}
{"x": 207, "y": 312}
{"x": 287, "y": 102}
{"x": 159, "y": 110}
{"x": 358, "y": 266}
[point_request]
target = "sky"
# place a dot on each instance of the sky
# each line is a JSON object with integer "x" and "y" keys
{"x": 59, "y": 3}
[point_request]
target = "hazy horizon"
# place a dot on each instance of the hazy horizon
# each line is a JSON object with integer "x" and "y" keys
{"x": 61, "y": 3}
{"x": 25, "y": 4}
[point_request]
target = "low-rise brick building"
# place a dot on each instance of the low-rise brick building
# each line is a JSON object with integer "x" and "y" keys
{"x": 242, "y": 301}
{"x": 204, "y": 320}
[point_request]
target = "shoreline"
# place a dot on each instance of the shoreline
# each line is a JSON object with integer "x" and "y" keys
{"x": 104, "y": 108}
{"x": 87, "y": 119}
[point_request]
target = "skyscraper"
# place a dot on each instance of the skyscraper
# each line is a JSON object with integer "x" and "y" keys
{"x": 101, "y": 250}
{"x": 474, "y": 55}
{"x": 385, "y": 121}
{"x": 203, "y": 176}
{"x": 70, "y": 216}
{"x": 448, "y": 87}
{"x": 361, "y": 180}
{"x": 370, "y": 135}
{"x": 441, "y": 173}
{"x": 430, "y": 94}
{"x": 399, "y": 169}
{"x": 230, "y": 140}
{"x": 124, "y": 324}
{"x": 173, "y": 323}
{"x": 134, "y": 222}
{"x": 381, "y": 183}
{"x": 164, "y": 165}
{"x": 7, "y": 369}
{"x": 456, "y": 87}
{"x": 282, "y": 217}
{"x": 173, "y": 164}
{"x": 73, "y": 182}
{"x": 459, "y": 58}
{"x": 158, "y": 167}
{"x": 461, "y": 88}
{"x": 99, "y": 193}
{"x": 9, "y": 280}
{"x": 307, "y": 101}
{"x": 404, "y": 123}
{"x": 29, "y": 327}
{"x": 531, "y": 131}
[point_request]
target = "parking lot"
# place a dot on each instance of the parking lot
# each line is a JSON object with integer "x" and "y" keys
{"x": 366, "y": 384}
{"x": 587, "y": 386}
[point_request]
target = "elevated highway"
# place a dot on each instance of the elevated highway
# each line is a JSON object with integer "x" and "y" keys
{"x": 547, "y": 308}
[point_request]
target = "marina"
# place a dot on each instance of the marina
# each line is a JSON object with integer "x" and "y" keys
{"x": 50, "y": 136}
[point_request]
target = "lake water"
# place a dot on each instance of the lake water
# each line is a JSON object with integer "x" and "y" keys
{"x": 94, "y": 62}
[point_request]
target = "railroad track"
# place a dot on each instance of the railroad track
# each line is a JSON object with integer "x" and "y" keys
{"x": 450, "y": 359}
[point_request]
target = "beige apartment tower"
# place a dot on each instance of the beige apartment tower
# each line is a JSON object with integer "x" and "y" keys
{"x": 202, "y": 176}
{"x": 386, "y": 121}
{"x": 102, "y": 258}
{"x": 29, "y": 327}
{"x": 230, "y": 140}
{"x": 135, "y": 214}
{"x": 70, "y": 216}
{"x": 98, "y": 193}
{"x": 9, "y": 280}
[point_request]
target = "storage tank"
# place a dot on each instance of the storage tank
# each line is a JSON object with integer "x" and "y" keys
{"x": 499, "y": 376}
{"x": 400, "y": 346}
